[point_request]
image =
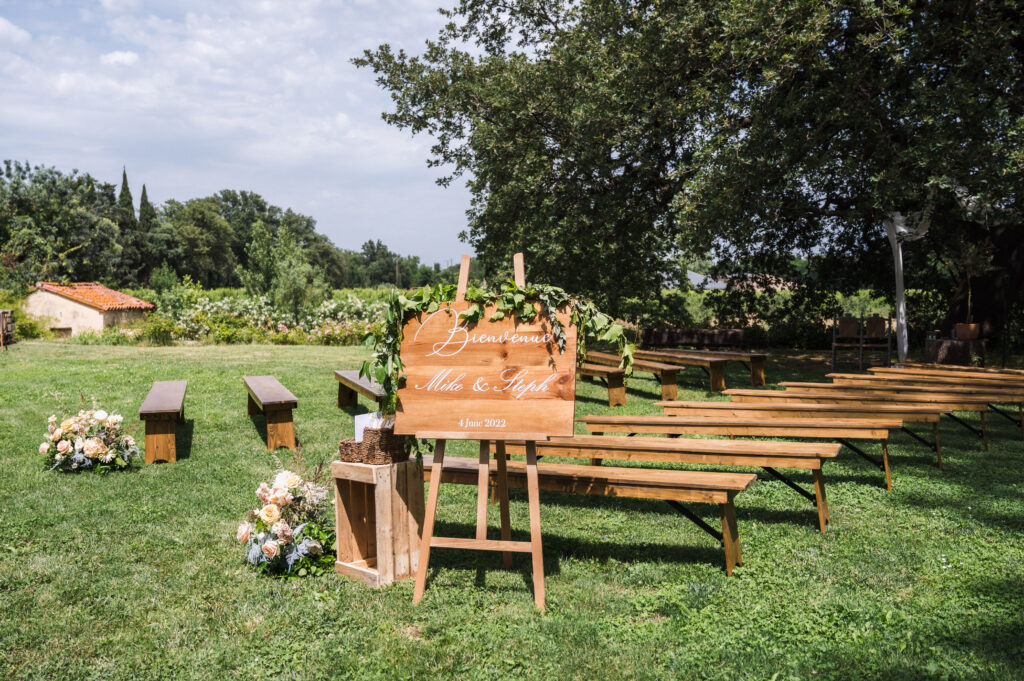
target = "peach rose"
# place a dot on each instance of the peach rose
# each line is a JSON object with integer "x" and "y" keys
{"x": 270, "y": 549}
{"x": 243, "y": 533}
{"x": 270, "y": 514}
{"x": 280, "y": 496}
{"x": 94, "y": 447}
{"x": 56, "y": 434}
{"x": 287, "y": 480}
{"x": 263, "y": 492}
{"x": 43, "y": 448}
{"x": 63, "y": 446}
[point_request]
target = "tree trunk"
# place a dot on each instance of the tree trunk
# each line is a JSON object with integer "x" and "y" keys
{"x": 902, "y": 340}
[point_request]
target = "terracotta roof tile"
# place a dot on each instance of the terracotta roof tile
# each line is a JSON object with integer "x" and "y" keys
{"x": 95, "y": 295}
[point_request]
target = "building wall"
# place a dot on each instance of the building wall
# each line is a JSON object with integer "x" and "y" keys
{"x": 122, "y": 317}
{"x": 58, "y": 312}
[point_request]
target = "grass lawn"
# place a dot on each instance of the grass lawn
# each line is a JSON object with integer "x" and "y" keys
{"x": 138, "y": 575}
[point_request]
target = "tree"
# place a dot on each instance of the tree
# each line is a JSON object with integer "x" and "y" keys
{"x": 261, "y": 261}
{"x": 298, "y": 286}
{"x": 602, "y": 138}
{"x": 199, "y": 240}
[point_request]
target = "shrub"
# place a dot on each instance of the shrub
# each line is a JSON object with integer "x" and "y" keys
{"x": 158, "y": 330}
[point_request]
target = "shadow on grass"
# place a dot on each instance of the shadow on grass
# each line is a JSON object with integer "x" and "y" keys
{"x": 557, "y": 546}
{"x": 183, "y": 435}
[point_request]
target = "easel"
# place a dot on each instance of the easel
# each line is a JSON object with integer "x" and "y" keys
{"x": 481, "y": 542}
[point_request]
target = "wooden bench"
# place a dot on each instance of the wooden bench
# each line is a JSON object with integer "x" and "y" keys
{"x": 714, "y": 368}
{"x": 665, "y": 373}
{"x": 613, "y": 378}
{"x": 841, "y": 430}
{"x": 351, "y": 385}
{"x": 954, "y": 367}
{"x": 675, "y": 487}
{"x": 946, "y": 404}
{"x": 163, "y": 407}
{"x": 979, "y": 378}
{"x": 765, "y": 454}
{"x": 268, "y": 397}
{"x": 778, "y": 409}
{"x": 6, "y": 328}
{"x": 752, "y": 360}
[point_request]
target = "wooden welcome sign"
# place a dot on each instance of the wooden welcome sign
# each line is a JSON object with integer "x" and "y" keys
{"x": 485, "y": 380}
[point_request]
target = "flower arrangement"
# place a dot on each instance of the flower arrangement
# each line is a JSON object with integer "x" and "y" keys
{"x": 291, "y": 532}
{"x": 90, "y": 440}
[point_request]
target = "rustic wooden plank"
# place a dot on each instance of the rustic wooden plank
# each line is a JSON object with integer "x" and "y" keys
{"x": 268, "y": 391}
{"x": 383, "y": 495}
{"x": 353, "y": 384}
{"x": 165, "y": 397}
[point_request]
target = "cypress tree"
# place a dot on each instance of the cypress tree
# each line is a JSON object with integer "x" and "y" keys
{"x": 147, "y": 213}
{"x": 125, "y": 207}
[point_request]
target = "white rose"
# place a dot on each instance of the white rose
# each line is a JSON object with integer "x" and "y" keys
{"x": 287, "y": 479}
{"x": 100, "y": 415}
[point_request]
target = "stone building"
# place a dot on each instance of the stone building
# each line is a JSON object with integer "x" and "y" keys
{"x": 69, "y": 309}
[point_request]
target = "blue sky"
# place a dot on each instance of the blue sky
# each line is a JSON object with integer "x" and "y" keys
{"x": 194, "y": 97}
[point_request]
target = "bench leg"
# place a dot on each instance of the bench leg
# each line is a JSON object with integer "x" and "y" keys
{"x": 669, "y": 387}
{"x": 717, "y": 379}
{"x": 616, "y": 391}
{"x": 820, "y": 500}
{"x": 756, "y": 372}
{"x": 253, "y": 409}
{"x": 160, "y": 444}
{"x": 536, "y": 549}
{"x": 938, "y": 447}
{"x": 280, "y": 429}
{"x": 347, "y": 397}
{"x": 885, "y": 465}
{"x": 428, "y": 521}
{"x": 730, "y": 537}
{"x": 501, "y": 489}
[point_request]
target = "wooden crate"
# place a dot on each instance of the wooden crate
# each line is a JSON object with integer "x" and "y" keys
{"x": 379, "y": 512}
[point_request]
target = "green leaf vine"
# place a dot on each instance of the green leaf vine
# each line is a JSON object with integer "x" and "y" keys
{"x": 509, "y": 300}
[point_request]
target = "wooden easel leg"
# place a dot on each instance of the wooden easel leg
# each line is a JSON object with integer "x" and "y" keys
{"x": 885, "y": 465}
{"x": 428, "y": 521}
{"x": 984, "y": 432}
{"x": 533, "y": 493}
{"x": 938, "y": 447}
{"x": 482, "y": 488}
{"x": 501, "y": 491}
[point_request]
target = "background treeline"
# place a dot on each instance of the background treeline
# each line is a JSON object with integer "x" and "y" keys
{"x": 58, "y": 226}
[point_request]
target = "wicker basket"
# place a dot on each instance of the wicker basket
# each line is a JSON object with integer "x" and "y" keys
{"x": 378, "y": 447}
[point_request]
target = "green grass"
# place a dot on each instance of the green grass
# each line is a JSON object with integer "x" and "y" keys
{"x": 138, "y": 575}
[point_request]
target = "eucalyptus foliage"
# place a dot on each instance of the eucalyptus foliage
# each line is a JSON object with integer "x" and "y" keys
{"x": 509, "y": 300}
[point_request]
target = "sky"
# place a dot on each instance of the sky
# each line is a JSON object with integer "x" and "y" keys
{"x": 193, "y": 97}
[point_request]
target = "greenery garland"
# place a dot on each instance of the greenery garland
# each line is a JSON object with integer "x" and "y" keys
{"x": 509, "y": 299}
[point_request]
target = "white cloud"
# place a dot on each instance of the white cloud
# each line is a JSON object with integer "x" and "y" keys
{"x": 235, "y": 94}
{"x": 11, "y": 34}
{"x": 120, "y": 58}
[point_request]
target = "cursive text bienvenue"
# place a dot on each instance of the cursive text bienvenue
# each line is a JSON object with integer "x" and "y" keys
{"x": 459, "y": 337}
{"x": 512, "y": 380}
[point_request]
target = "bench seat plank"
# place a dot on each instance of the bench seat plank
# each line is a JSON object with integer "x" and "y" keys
{"x": 351, "y": 384}
{"x": 799, "y": 410}
{"x": 165, "y": 397}
{"x": 268, "y": 392}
